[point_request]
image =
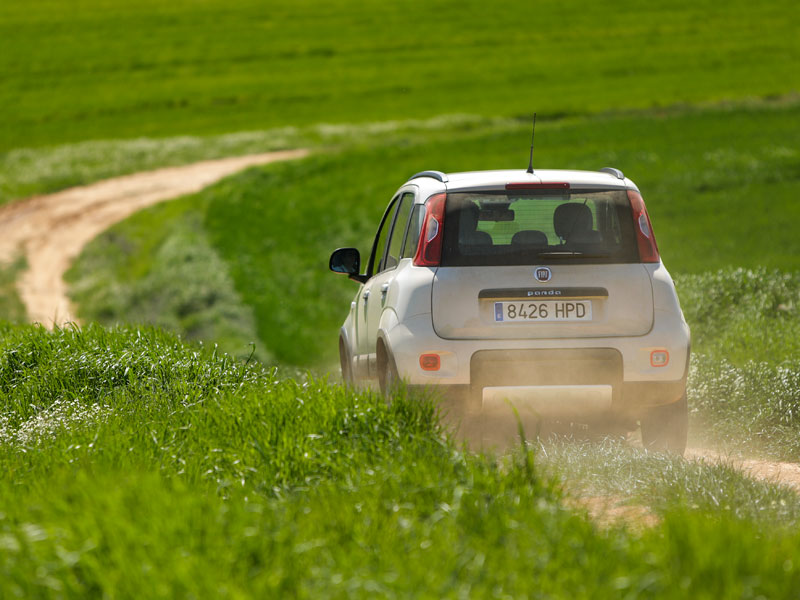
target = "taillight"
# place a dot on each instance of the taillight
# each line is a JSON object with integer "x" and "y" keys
{"x": 646, "y": 239}
{"x": 429, "y": 250}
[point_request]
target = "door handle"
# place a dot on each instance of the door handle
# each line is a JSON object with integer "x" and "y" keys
{"x": 384, "y": 289}
{"x": 366, "y": 296}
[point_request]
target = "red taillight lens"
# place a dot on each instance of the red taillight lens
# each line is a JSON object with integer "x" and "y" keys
{"x": 430, "y": 362}
{"x": 429, "y": 250}
{"x": 648, "y": 249}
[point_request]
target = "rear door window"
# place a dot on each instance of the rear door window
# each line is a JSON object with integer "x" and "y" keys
{"x": 531, "y": 228}
{"x": 398, "y": 231}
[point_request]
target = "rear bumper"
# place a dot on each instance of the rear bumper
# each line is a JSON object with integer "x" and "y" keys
{"x": 622, "y": 363}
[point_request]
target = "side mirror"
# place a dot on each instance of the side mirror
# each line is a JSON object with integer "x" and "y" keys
{"x": 347, "y": 261}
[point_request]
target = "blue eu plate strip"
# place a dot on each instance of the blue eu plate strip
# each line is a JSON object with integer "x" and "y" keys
{"x": 498, "y": 311}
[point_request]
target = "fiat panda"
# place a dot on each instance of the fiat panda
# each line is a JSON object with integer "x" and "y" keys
{"x": 542, "y": 290}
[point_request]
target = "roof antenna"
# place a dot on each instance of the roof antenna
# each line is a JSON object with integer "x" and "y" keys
{"x": 533, "y": 133}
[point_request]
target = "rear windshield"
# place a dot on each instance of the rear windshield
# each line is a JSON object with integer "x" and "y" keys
{"x": 530, "y": 228}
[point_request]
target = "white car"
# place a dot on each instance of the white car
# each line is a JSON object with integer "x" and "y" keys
{"x": 544, "y": 290}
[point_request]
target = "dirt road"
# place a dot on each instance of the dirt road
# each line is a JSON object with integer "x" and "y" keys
{"x": 50, "y": 231}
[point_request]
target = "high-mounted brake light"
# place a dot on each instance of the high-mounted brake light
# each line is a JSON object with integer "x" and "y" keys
{"x": 537, "y": 186}
{"x": 429, "y": 250}
{"x": 646, "y": 239}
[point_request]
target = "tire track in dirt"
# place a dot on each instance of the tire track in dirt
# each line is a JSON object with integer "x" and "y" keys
{"x": 777, "y": 472}
{"x": 772, "y": 471}
{"x": 608, "y": 510}
{"x": 50, "y": 231}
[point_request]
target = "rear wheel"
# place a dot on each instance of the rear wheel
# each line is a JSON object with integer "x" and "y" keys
{"x": 345, "y": 363}
{"x": 387, "y": 372}
{"x": 665, "y": 428}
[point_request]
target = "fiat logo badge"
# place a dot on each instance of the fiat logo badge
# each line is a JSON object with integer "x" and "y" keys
{"x": 542, "y": 274}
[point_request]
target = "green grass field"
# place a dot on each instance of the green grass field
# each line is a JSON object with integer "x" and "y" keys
{"x": 139, "y": 465}
{"x": 100, "y": 69}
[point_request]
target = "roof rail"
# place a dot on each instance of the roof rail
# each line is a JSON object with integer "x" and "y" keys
{"x": 438, "y": 175}
{"x": 615, "y": 172}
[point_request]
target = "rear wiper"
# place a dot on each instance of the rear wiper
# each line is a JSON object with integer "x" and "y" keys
{"x": 571, "y": 254}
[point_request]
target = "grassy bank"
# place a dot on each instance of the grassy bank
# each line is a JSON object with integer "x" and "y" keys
{"x": 101, "y": 69}
{"x": 135, "y": 466}
{"x": 189, "y": 291}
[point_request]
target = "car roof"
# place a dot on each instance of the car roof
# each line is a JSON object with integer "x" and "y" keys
{"x": 492, "y": 180}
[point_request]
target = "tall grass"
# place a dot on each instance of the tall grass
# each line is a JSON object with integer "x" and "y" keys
{"x": 136, "y": 466}
{"x": 744, "y": 380}
{"x": 181, "y": 282}
{"x": 749, "y": 409}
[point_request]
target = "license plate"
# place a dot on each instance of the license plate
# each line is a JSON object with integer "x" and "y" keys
{"x": 543, "y": 310}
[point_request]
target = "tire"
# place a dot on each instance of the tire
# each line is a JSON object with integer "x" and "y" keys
{"x": 665, "y": 428}
{"x": 387, "y": 372}
{"x": 345, "y": 363}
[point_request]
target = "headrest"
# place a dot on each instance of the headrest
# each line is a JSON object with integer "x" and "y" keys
{"x": 469, "y": 217}
{"x": 571, "y": 218}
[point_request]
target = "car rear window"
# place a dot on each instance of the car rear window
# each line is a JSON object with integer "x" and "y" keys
{"x": 532, "y": 227}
